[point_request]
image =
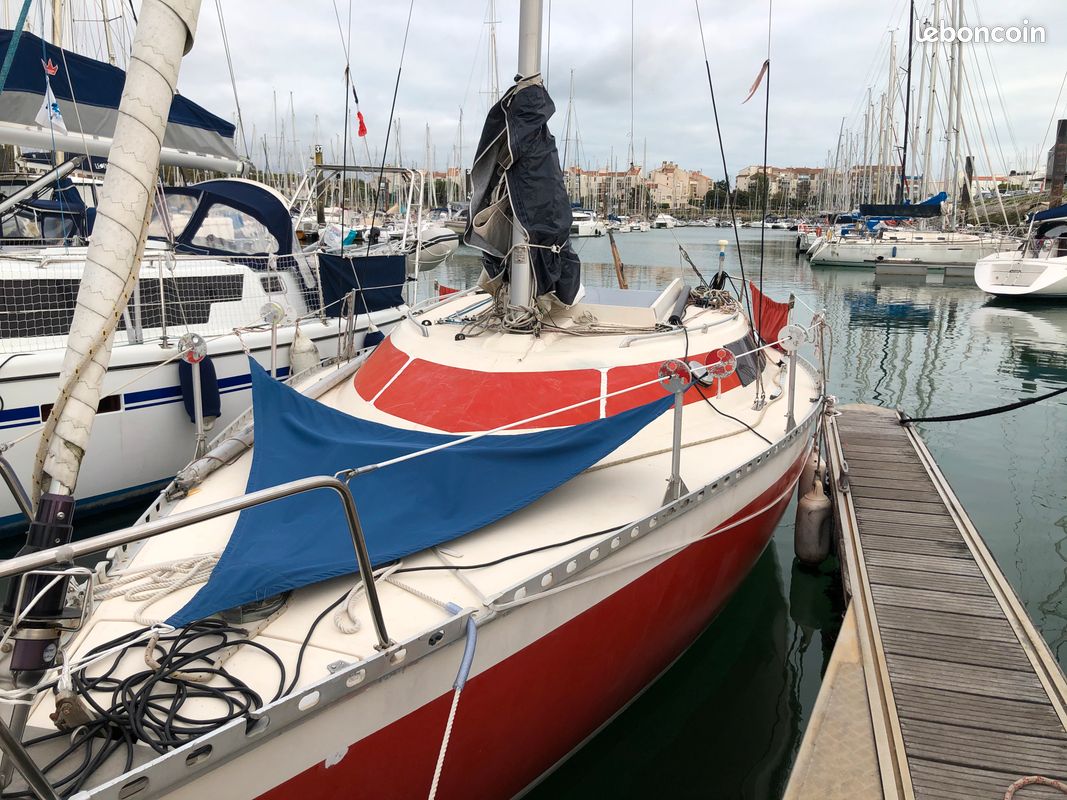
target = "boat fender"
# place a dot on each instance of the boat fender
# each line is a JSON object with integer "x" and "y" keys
{"x": 373, "y": 337}
{"x": 811, "y": 535}
{"x": 209, "y": 390}
{"x": 808, "y": 474}
{"x": 303, "y": 354}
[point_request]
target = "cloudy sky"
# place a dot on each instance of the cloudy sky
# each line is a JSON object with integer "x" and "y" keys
{"x": 824, "y": 54}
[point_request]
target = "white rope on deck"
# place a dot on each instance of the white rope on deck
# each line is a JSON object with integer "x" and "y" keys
{"x": 149, "y": 584}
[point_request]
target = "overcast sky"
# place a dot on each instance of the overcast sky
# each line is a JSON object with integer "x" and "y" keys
{"x": 824, "y": 53}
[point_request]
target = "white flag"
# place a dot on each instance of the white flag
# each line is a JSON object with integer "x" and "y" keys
{"x": 50, "y": 116}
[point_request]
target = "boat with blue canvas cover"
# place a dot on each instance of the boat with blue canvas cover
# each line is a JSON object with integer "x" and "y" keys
{"x": 457, "y": 557}
{"x": 223, "y": 256}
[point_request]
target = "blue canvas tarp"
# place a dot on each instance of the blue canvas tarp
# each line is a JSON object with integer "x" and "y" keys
{"x": 403, "y": 508}
{"x": 97, "y": 89}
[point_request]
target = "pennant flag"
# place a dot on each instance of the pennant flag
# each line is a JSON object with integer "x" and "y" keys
{"x": 759, "y": 79}
{"x": 50, "y": 116}
{"x": 362, "y": 125}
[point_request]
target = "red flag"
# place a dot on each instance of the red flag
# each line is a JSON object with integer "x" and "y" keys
{"x": 770, "y": 315}
{"x": 362, "y": 124}
{"x": 759, "y": 79}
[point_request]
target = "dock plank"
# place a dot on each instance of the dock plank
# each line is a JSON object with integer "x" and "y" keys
{"x": 995, "y": 750}
{"x": 947, "y": 624}
{"x": 993, "y": 713}
{"x": 906, "y": 502}
{"x": 932, "y": 600}
{"x": 881, "y": 492}
{"x": 939, "y": 533}
{"x": 968, "y": 678}
{"x": 972, "y": 583}
{"x": 956, "y": 649}
{"x": 903, "y": 517}
{"x": 901, "y": 544}
{"x": 939, "y": 781}
{"x": 937, "y": 565}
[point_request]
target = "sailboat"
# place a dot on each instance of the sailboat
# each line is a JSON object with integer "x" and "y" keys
{"x": 904, "y": 232}
{"x": 1038, "y": 269}
{"x": 222, "y": 270}
{"x": 548, "y": 489}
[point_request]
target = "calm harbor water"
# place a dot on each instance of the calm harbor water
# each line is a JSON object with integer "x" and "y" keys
{"x": 727, "y": 719}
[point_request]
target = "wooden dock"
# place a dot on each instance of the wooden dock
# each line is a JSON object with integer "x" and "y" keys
{"x": 939, "y": 686}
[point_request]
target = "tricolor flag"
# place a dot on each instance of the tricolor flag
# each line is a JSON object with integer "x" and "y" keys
{"x": 50, "y": 116}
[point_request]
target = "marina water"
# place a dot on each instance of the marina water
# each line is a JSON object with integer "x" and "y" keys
{"x": 727, "y": 719}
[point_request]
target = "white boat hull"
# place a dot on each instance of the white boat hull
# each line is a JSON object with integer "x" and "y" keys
{"x": 1022, "y": 277}
{"x": 142, "y": 434}
{"x": 939, "y": 250}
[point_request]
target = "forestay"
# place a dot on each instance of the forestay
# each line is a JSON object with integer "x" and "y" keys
{"x": 404, "y": 508}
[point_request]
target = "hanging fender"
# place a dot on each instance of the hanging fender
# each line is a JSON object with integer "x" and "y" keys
{"x": 209, "y": 390}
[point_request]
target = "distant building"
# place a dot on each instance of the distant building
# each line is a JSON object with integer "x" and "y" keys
{"x": 617, "y": 191}
{"x": 795, "y": 184}
{"x": 669, "y": 185}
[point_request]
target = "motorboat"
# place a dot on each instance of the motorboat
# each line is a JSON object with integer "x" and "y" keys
{"x": 586, "y": 224}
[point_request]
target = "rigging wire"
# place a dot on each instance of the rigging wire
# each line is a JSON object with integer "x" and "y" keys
{"x": 745, "y": 298}
{"x": 389, "y": 127}
{"x": 233, "y": 80}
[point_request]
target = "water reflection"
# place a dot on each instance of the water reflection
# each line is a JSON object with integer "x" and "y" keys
{"x": 1036, "y": 339}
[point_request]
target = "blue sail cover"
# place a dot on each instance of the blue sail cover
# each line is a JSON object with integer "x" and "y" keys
{"x": 97, "y": 88}
{"x": 403, "y": 508}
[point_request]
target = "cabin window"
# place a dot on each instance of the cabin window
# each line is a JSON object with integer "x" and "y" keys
{"x": 227, "y": 228}
{"x": 272, "y": 284}
{"x": 180, "y": 208}
{"x": 113, "y": 402}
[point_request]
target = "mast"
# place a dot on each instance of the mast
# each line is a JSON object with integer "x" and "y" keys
{"x": 494, "y": 66}
{"x": 950, "y": 117}
{"x": 866, "y": 135}
{"x": 912, "y": 187}
{"x": 958, "y": 122}
{"x": 907, "y": 105}
{"x": 521, "y": 288}
{"x": 890, "y": 106}
{"x": 931, "y": 105}
{"x": 107, "y": 33}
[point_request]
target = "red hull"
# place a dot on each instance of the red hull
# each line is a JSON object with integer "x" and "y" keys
{"x": 519, "y": 718}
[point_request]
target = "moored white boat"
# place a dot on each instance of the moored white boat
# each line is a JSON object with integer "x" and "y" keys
{"x": 934, "y": 248}
{"x": 231, "y": 257}
{"x": 1037, "y": 269}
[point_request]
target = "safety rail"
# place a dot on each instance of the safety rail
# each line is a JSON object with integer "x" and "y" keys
{"x": 147, "y": 530}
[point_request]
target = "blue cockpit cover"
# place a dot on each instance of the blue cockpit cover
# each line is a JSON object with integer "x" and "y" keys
{"x": 404, "y": 508}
